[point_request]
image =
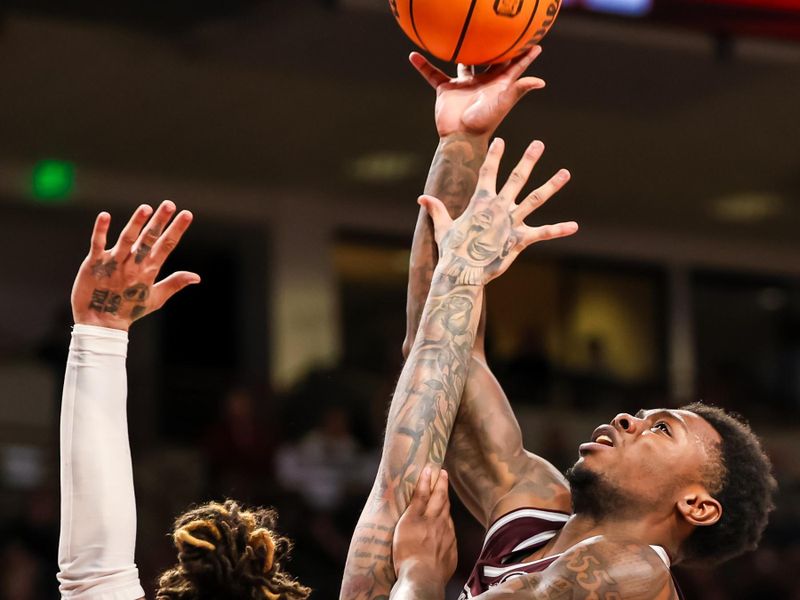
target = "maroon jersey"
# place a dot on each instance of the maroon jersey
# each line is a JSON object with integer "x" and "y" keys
{"x": 510, "y": 540}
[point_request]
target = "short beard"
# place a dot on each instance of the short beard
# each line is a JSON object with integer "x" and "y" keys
{"x": 595, "y": 497}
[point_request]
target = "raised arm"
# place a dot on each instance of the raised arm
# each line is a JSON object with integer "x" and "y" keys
{"x": 491, "y": 472}
{"x": 98, "y": 510}
{"x": 475, "y": 248}
{"x": 468, "y": 110}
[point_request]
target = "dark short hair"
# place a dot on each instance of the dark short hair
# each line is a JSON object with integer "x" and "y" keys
{"x": 744, "y": 486}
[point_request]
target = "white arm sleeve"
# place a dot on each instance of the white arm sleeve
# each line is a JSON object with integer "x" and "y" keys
{"x": 98, "y": 508}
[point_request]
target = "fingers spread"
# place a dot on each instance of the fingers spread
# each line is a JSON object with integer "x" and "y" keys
{"x": 549, "y": 232}
{"x": 519, "y": 176}
{"x": 153, "y": 230}
{"x": 541, "y": 195}
{"x": 487, "y": 176}
{"x": 166, "y": 288}
{"x": 131, "y": 231}
{"x": 170, "y": 238}
{"x": 432, "y": 75}
{"x": 99, "y": 234}
{"x": 439, "y": 498}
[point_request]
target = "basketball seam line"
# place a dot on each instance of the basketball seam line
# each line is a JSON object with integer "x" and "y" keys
{"x": 464, "y": 30}
{"x": 414, "y": 25}
{"x": 521, "y": 35}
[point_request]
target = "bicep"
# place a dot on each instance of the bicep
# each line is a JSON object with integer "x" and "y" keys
{"x": 489, "y": 468}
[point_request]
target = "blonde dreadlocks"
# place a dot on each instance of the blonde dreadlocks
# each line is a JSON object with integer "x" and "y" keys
{"x": 225, "y": 551}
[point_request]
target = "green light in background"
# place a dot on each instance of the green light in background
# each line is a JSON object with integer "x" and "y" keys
{"x": 53, "y": 180}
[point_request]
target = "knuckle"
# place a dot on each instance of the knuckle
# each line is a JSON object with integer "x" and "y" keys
{"x": 516, "y": 177}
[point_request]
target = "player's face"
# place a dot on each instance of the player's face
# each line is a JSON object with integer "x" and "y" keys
{"x": 651, "y": 455}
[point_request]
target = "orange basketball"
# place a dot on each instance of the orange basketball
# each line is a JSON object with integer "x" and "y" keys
{"x": 475, "y": 32}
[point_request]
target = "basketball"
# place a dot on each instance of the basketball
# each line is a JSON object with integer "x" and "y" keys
{"x": 475, "y": 32}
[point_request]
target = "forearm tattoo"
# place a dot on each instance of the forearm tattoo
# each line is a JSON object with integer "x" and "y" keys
{"x": 427, "y": 396}
{"x": 486, "y": 459}
{"x": 420, "y": 420}
{"x": 452, "y": 179}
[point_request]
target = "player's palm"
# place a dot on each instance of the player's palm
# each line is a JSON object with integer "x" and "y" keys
{"x": 476, "y": 104}
{"x": 115, "y": 287}
{"x": 469, "y": 106}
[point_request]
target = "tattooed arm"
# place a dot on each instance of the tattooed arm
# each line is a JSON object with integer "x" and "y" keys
{"x": 477, "y": 247}
{"x": 98, "y": 510}
{"x": 595, "y": 569}
{"x": 468, "y": 110}
{"x": 421, "y": 416}
{"x": 491, "y": 471}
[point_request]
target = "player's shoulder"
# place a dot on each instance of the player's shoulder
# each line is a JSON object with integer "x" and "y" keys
{"x": 612, "y": 547}
{"x": 612, "y": 564}
{"x": 598, "y": 567}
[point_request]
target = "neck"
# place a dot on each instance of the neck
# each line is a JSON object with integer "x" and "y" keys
{"x": 655, "y": 530}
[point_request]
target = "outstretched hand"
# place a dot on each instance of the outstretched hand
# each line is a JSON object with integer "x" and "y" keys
{"x": 425, "y": 537}
{"x": 477, "y": 103}
{"x": 115, "y": 287}
{"x": 483, "y": 242}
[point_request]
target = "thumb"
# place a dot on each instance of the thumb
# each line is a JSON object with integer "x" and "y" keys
{"x": 167, "y": 288}
{"x": 518, "y": 89}
{"x": 438, "y": 213}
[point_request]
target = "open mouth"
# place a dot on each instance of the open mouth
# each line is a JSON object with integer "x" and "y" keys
{"x": 605, "y": 435}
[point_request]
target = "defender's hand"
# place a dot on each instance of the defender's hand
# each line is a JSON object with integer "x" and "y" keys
{"x": 477, "y": 104}
{"x": 425, "y": 540}
{"x": 483, "y": 242}
{"x": 115, "y": 287}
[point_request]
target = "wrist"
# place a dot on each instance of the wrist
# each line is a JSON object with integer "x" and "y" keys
{"x": 99, "y": 321}
{"x": 480, "y": 139}
{"x": 452, "y": 272}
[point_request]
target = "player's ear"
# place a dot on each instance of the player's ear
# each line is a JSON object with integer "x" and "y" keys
{"x": 699, "y": 508}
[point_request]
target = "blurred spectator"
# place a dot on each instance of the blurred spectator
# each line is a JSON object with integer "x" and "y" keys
{"x": 22, "y": 573}
{"x": 241, "y": 445}
{"x": 328, "y": 472}
{"x": 326, "y": 463}
{"x": 28, "y": 550}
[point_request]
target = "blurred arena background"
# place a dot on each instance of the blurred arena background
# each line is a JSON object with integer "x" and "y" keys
{"x": 300, "y": 137}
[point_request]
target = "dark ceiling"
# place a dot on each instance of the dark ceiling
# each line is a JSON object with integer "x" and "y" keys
{"x": 656, "y": 125}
